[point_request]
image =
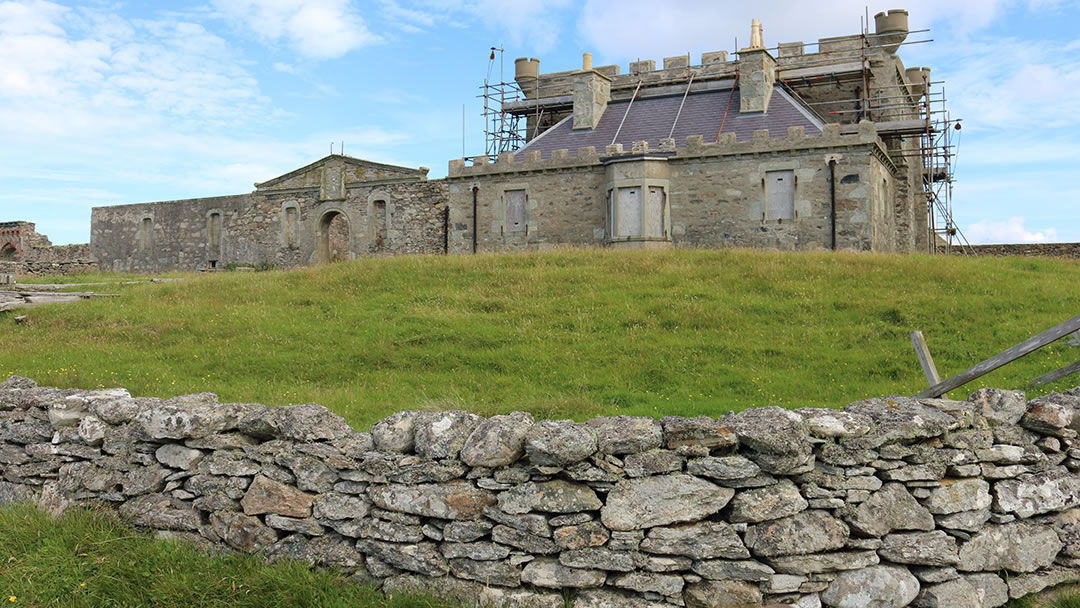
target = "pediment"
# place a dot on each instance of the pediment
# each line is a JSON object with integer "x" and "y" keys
{"x": 332, "y": 173}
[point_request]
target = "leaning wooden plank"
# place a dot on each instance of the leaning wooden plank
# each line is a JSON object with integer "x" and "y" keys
{"x": 981, "y": 369}
{"x": 1057, "y": 374}
{"x": 925, "y": 360}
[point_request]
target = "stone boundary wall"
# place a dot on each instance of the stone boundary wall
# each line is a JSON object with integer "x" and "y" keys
{"x": 901, "y": 501}
{"x": 1054, "y": 250}
{"x": 11, "y": 271}
{"x": 79, "y": 252}
{"x": 59, "y": 268}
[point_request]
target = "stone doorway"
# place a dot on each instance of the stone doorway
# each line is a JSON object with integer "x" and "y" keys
{"x": 9, "y": 253}
{"x": 332, "y": 238}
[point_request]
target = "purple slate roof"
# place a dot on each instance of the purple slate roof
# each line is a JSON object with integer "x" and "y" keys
{"x": 650, "y": 120}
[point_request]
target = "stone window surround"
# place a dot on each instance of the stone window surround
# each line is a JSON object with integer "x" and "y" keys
{"x": 210, "y": 244}
{"x": 502, "y": 208}
{"x": 388, "y": 214}
{"x": 794, "y": 166}
{"x": 644, "y": 184}
{"x": 144, "y": 238}
{"x": 765, "y": 195}
{"x": 284, "y": 217}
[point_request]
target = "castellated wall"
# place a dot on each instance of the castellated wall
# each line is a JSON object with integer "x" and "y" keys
{"x": 903, "y": 501}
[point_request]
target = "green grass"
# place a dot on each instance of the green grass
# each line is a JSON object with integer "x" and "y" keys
{"x": 90, "y": 558}
{"x": 1063, "y": 600}
{"x": 86, "y": 277}
{"x": 570, "y": 333}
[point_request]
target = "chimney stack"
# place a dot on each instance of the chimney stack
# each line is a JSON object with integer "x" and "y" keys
{"x": 592, "y": 92}
{"x": 757, "y": 73}
{"x": 757, "y": 35}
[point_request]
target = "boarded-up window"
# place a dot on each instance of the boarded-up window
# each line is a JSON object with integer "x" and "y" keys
{"x": 780, "y": 195}
{"x": 146, "y": 231}
{"x": 654, "y": 212}
{"x": 516, "y": 210}
{"x": 628, "y": 212}
{"x": 213, "y": 231}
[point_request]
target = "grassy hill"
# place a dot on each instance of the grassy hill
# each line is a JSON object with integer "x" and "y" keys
{"x": 561, "y": 334}
{"x": 572, "y": 333}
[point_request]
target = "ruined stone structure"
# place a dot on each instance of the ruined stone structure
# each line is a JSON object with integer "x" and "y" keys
{"x": 25, "y": 251}
{"x": 18, "y": 240}
{"x": 334, "y": 209}
{"x": 783, "y": 150}
{"x": 903, "y": 501}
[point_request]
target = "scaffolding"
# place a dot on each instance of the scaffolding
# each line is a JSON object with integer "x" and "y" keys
{"x": 938, "y": 147}
{"x": 503, "y": 131}
{"x": 913, "y": 112}
{"x": 937, "y": 131}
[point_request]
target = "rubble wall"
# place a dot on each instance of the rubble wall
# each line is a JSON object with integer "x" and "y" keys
{"x": 902, "y": 501}
{"x": 1050, "y": 250}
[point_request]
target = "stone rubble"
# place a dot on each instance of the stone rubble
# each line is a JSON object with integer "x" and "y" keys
{"x": 889, "y": 502}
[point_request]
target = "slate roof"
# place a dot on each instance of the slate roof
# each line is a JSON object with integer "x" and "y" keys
{"x": 650, "y": 119}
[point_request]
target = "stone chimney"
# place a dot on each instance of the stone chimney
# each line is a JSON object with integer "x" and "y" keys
{"x": 757, "y": 73}
{"x": 592, "y": 92}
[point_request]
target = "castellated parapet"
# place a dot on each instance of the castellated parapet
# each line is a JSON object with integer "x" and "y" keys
{"x": 694, "y": 147}
{"x": 924, "y": 502}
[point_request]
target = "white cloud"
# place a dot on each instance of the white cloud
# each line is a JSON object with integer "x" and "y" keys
{"x": 96, "y": 109}
{"x": 997, "y": 84}
{"x": 533, "y": 27}
{"x": 30, "y": 18}
{"x": 318, "y": 29}
{"x": 410, "y": 20}
{"x": 1011, "y": 230}
{"x": 84, "y": 74}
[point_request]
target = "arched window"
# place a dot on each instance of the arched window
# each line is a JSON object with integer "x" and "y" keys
{"x": 146, "y": 234}
{"x": 291, "y": 226}
{"x": 213, "y": 230}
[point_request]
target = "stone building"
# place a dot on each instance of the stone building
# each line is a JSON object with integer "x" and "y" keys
{"x": 334, "y": 209}
{"x": 780, "y": 148}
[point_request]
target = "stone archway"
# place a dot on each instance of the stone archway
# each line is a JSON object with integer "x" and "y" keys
{"x": 332, "y": 237}
{"x": 9, "y": 253}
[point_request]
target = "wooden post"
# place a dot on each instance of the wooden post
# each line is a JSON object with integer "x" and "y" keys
{"x": 1007, "y": 356}
{"x": 925, "y": 360}
{"x": 1057, "y": 374}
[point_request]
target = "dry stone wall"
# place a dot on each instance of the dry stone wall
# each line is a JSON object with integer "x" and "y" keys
{"x": 888, "y": 502}
{"x": 1056, "y": 250}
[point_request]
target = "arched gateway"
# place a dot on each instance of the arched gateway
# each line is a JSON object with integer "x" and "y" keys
{"x": 332, "y": 237}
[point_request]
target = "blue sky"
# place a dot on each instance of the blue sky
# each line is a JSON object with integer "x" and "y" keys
{"x": 107, "y": 102}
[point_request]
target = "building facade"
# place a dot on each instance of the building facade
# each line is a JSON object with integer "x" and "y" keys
{"x": 778, "y": 148}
